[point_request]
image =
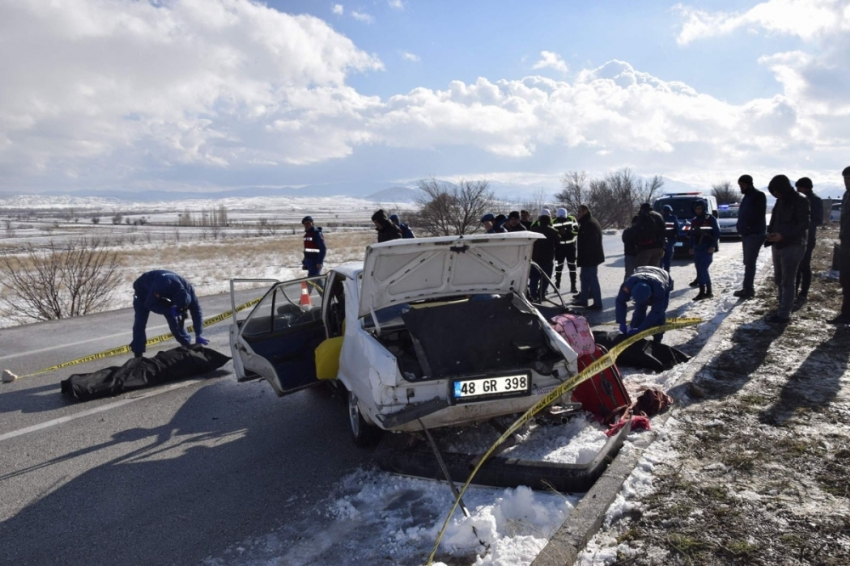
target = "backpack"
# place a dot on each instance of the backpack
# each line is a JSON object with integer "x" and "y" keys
{"x": 576, "y": 332}
{"x": 646, "y": 232}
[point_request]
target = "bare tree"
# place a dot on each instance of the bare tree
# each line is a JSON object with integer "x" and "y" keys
{"x": 117, "y": 218}
{"x": 10, "y": 230}
{"x": 58, "y": 282}
{"x": 724, "y": 193}
{"x": 448, "y": 209}
{"x": 574, "y": 190}
{"x": 615, "y": 199}
{"x": 95, "y": 219}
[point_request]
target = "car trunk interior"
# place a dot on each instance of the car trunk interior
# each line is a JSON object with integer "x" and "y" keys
{"x": 479, "y": 336}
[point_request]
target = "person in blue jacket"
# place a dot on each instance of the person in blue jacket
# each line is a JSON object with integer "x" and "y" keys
{"x": 705, "y": 235}
{"x": 314, "y": 248}
{"x": 406, "y": 232}
{"x": 490, "y": 224}
{"x": 671, "y": 231}
{"x": 649, "y": 287}
{"x": 166, "y": 293}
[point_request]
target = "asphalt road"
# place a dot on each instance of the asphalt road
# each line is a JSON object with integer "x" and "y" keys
{"x": 176, "y": 473}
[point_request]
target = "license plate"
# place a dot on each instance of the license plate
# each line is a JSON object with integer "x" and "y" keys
{"x": 678, "y": 245}
{"x": 517, "y": 385}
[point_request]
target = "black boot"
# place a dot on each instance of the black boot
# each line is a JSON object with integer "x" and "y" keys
{"x": 708, "y": 293}
{"x": 694, "y": 283}
{"x": 701, "y": 294}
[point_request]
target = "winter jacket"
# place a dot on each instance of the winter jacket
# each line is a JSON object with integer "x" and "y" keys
{"x": 751, "y": 213}
{"x": 589, "y": 250}
{"x": 544, "y": 250}
{"x": 406, "y": 232}
{"x": 671, "y": 228}
{"x": 567, "y": 229}
{"x": 314, "y": 245}
{"x": 705, "y": 233}
{"x": 790, "y": 216}
{"x": 387, "y": 231}
{"x": 159, "y": 290}
{"x": 650, "y": 230}
{"x": 629, "y": 244}
{"x": 518, "y": 228}
{"x": 844, "y": 232}
{"x": 660, "y": 283}
{"x": 815, "y": 217}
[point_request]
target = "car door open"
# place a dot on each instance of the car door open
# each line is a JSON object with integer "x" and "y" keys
{"x": 279, "y": 337}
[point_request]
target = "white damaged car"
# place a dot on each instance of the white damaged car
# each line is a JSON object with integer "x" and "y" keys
{"x": 434, "y": 332}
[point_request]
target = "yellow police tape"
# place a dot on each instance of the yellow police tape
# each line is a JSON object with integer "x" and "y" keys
{"x": 599, "y": 365}
{"x": 124, "y": 349}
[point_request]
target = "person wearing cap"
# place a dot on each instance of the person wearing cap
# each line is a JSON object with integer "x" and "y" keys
{"x": 844, "y": 253}
{"x": 649, "y": 288}
{"x": 166, "y": 293}
{"x": 751, "y": 227}
{"x": 406, "y": 232}
{"x": 650, "y": 236}
{"x": 543, "y": 254}
{"x": 787, "y": 234}
{"x": 805, "y": 187}
{"x": 671, "y": 232}
{"x": 490, "y": 224}
{"x": 513, "y": 224}
{"x": 589, "y": 254}
{"x": 387, "y": 231}
{"x": 314, "y": 248}
{"x": 567, "y": 228}
{"x": 705, "y": 238}
{"x": 525, "y": 219}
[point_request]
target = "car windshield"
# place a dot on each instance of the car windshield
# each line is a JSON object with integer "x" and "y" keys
{"x": 728, "y": 213}
{"x": 682, "y": 207}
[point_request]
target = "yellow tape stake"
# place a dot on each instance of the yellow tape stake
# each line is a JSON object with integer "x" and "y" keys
{"x": 599, "y": 365}
{"x": 9, "y": 377}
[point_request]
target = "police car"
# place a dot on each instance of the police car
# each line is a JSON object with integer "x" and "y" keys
{"x": 682, "y": 204}
{"x": 727, "y": 220}
{"x": 427, "y": 332}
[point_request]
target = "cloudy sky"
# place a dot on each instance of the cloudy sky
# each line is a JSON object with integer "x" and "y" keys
{"x": 205, "y": 94}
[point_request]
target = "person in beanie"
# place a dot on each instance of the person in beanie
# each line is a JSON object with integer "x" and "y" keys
{"x": 406, "y": 232}
{"x": 750, "y": 226}
{"x": 589, "y": 254}
{"x": 630, "y": 248}
{"x": 386, "y": 230}
{"x": 844, "y": 253}
{"x": 649, "y": 287}
{"x": 166, "y": 293}
{"x": 705, "y": 235}
{"x": 314, "y": 247}
{"x": 567, "y": 228}
{"x": 804, "y": 272}
{"x": 543, "y": 254}
{"x": 513, "y": 224}
{"x": 787, "y": 234}
{"x": 501, "y": 220}
{"x": 490, "y": 225}
{"x": 650, "y": 236}
{"x": 671, "y": 232}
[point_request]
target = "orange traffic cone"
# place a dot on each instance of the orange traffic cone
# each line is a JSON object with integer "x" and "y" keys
{"x": 305, "y": 296}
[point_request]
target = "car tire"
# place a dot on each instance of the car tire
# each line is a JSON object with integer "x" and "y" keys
{"x": 364, "y": 434}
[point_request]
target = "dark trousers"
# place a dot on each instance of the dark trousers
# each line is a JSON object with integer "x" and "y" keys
{"x": 752, "y": 245}
{"x": 668, "y": 256}
{"x": 785, "y": 263}
{"x": 565, "y": 252}
{"x": 804, "y": 272}
{"x": 537, "y": 282}
{"x": 844, "y": 276}
{"x": 141, "y": 321}
{"x": 312, "y": 267}
{"x": 702, "y": 261}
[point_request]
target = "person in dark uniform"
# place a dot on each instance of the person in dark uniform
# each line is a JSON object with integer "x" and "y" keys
{"x": 567, "y": 227}
{"x": 705, "y": 235}
{"x": 166, "y": 293}
{"x": 648, "y": 287}
{"x": 672, "y": 226}
{"x": 314, "y": 248}
{"x": 543, "y": 254}
{"x": 386, "y": 230}
{"x": 406, "y": 232}
{"x": 804, "y": 272}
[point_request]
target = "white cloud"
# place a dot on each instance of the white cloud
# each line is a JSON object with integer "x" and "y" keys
{"x": 362, "y": 17}
{"x": 396, "y": 4}
{"x": 408, "y": 56}
{"x": 338, "y": 9}
{"x": 806, "y": 19}
{"x": 552, "y": 61}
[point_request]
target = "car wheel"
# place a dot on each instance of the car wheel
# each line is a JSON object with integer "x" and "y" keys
{"x": 363, "y": 433}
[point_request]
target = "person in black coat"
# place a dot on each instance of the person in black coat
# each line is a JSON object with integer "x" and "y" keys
{"x": 804, "y": 272}
{"x": 630, "y": 250}
{"x": 590, "y": 254}
{"x": 787, "y": 233}
{"x": 543, "y": 254}
{"x": 844, "y": 253}
{"x": 650, "y": 235}
{"x": 386, "y": 230}
{"x": 750, "y": 226}
{"x": 514, "y": 224}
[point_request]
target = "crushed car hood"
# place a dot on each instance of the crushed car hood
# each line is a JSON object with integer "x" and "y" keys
{"x": 408, "y": 270}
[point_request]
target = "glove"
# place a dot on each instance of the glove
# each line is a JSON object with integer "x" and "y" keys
{"x": 623, "y": 328}
{"x": 201, "y": 340}
{"x": 174, "y": 311}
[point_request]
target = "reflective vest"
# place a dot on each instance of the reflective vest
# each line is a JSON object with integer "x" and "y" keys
{"x": 567, "y": 228}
